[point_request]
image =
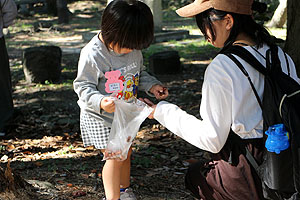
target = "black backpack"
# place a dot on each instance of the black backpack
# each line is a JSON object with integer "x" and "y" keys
{"x": 280, "y": 105}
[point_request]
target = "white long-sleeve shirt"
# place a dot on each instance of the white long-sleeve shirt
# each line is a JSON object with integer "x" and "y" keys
{"x": 227, "y": 102}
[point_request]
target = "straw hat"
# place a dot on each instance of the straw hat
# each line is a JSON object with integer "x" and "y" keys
{"x": 199, "y": 6}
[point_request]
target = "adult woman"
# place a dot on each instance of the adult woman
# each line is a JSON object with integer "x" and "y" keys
{"x": 231, "y": 116}
{"x": 8, "y": 12}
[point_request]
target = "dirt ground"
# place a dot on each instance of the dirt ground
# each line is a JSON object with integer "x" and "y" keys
{"x": 43, "y": 142}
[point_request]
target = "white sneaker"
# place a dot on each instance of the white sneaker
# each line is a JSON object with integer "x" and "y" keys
{"x": 127, "y": 195}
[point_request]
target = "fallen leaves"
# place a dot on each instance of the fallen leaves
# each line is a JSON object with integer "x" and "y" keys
{"x": 46, "y": 148}
{"x": 38, "y": 164}
{"x": 10, "y": 147}
{"x": 78, "y": 193}
{"x": 86, "y": 176}
{"x": 70, "y": 185}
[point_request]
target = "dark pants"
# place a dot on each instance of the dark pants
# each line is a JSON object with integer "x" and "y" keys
{"x": 228, "y": 176}
{"x": 6, "y": 103}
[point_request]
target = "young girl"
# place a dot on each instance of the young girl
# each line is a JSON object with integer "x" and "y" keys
{"x": 231, "y": 115}
{"x": 112, "y": 62}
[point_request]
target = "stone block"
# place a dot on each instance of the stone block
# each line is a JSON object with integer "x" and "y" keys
{"x": 42, "y": 64}
{"x": 165, "y": 62}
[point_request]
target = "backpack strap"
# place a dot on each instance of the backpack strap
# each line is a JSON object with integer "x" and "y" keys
{"x": 244, "y": 71}
{"x": 247, "y": 56}
{"x": 252, "y": 160}
{"x": 287, "y": 63}
{"x": 273, "y": 61}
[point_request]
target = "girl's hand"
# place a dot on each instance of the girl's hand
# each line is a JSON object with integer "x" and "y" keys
{"x": 107, "y": 104}
{"x": 151, "y": 104}
{"x": 159, "y": 91}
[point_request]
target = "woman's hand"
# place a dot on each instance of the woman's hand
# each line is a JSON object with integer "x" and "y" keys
{"x": 159, "y": 91}
{"x": 107, "y": 104}
{"x": 151, "y": 104}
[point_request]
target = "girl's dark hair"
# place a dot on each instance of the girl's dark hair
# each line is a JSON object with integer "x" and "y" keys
{"x": 128, "y": 24}
{"x": 242, "y": 24}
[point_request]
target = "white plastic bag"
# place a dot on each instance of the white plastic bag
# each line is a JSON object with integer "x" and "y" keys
{"x": 127, "y": 120}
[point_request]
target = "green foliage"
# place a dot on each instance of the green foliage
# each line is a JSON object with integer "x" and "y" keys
{"x": 47, "y": 82}
{"x": 66, "y": 84}
{"x": 267, "y": 15}
{"x": 272, "y": 5}
{"x": 187, "y": 49}
{"x": 175, "y": 3}
{"x": 21, "y": 26}
{"x": 2, "y": 148}
{"x": 153, "y": 49}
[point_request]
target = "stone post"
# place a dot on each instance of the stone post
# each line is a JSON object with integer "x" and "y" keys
{"x": 156, "y": 8}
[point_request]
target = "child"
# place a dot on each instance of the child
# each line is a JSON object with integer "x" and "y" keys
{"x": 112, "y": 62}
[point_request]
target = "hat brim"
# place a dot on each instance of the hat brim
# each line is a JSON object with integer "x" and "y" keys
{"x": 194, "y": 8}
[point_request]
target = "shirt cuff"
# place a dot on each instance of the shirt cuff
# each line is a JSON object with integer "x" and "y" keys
{"x": 96, "y": 100}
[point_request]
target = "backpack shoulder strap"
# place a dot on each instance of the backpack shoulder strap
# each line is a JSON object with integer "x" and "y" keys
{"x": 287, "y": 62}
{"x": 244, "y": 55}
{"x": 247, "y": 56}
{"x": 244, "y": 71}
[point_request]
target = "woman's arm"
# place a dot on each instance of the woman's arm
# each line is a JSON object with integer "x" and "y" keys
{"x": 211, "y": 133}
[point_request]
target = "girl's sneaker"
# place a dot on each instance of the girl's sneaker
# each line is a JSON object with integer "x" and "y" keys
{"x": 127, "y": 195}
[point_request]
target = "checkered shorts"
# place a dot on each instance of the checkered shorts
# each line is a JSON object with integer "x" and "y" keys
{"x": 93, "y": 131}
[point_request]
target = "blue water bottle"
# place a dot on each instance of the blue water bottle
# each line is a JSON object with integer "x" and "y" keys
{"x": 278, "y": 138}
{"x": 277, "y": 170}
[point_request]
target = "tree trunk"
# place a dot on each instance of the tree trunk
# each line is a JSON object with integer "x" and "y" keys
{"x": 51, "y": 7}
{"x": 292, "y": 45}
{"x": 13, "y": 186}
{"x": 280, "y": 15}
{"x": 62, "y": 11}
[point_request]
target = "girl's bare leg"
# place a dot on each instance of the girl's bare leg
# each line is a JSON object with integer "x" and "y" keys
{"x": 111, "y": 174}
{"x": 125, "y": 171}
{"x": 116, "y": 174}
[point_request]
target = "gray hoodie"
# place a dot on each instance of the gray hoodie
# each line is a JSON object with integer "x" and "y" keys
{"x": 125, "y": 76}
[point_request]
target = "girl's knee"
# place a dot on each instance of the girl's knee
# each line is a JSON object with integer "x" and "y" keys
{"x": 127, "y": 159}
